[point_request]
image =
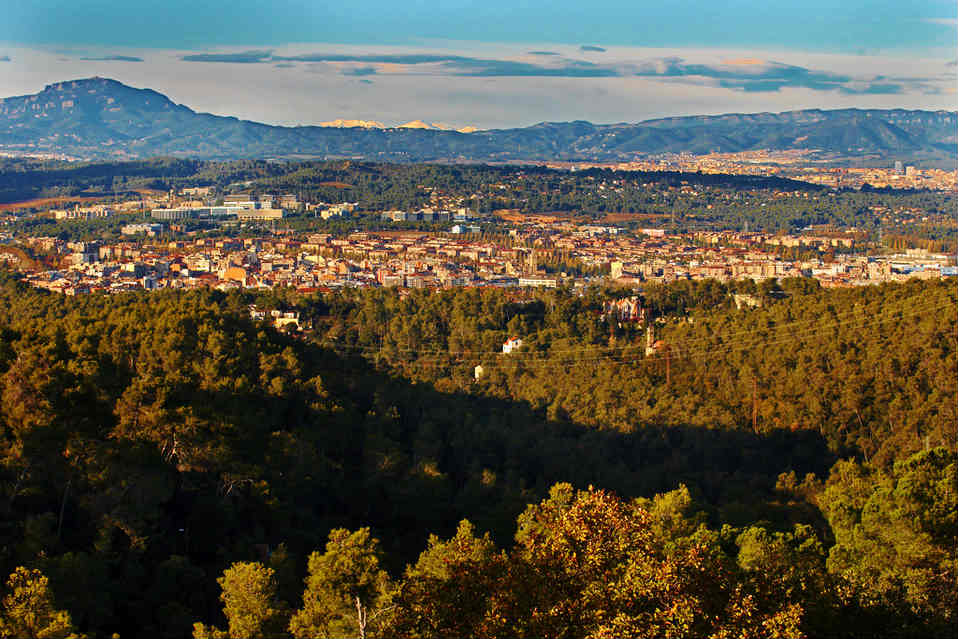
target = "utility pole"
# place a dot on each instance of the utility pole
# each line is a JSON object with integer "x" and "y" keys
{"x": 668, "y": 366}
{"x": 754, "y": 404}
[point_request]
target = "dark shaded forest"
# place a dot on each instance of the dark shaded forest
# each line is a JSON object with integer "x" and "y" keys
{"x": 785, "y": 471}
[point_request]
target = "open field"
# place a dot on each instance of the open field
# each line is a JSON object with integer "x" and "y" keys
{"x": 629, "y": 217}
{"x": 26, "y": 262}
{"x": 402, "y": 234}
{"x": 47, "y": 202}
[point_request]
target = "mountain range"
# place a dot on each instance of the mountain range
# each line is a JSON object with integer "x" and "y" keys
{"x": 99, "y": 118}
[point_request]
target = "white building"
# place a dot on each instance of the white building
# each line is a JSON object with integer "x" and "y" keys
{"x": 511, "y": 344}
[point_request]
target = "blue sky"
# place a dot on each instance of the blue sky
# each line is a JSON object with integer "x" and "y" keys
{"x": 492, "y": 62}
{"x": 826, "y": 26}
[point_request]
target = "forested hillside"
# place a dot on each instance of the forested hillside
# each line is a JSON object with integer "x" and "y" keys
{"x": 786, "y": 470}
{"x": 864, "y": 368}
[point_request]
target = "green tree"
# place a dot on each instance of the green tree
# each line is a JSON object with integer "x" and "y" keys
{"x": 896, "y": 536}
{"x": 454, "y": 589}
{"x": 787, "y": 571}
{"x": 347, "y": 590}
{"x": 249, "y": 604}
{"x": 28, "y": 611}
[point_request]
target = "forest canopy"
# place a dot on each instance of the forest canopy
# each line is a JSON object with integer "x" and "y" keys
{"x": 169, "y": 465}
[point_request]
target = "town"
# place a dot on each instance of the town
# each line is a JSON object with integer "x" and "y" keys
{"x": 193, "y": 238}
{"x": 798, "y": 164}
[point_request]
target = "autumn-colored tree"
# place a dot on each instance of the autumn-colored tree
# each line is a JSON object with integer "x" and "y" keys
{"x": 597, "y": 566}
{"x": 593, "y": 568}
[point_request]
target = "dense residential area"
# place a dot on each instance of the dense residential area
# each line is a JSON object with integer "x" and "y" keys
{"x": 332, "y": 225}
{"x": 422, "y": 260}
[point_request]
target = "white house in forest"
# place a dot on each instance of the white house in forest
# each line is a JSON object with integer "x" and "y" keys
{"x": 511, "y": 344}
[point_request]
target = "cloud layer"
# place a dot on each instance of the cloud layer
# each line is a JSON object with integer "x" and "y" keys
{"x": 114, "y": 58}
{"x": 243, "y": 57}
{"x": 748, "y": 75}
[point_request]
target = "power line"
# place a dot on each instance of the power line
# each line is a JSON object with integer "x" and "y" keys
{"x": 688, "y": 354}
{"x": 814, "y": 323}
{"x": 552, "y": 356}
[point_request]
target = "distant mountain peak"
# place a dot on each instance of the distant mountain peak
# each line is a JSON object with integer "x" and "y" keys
{"x": 436, "y": 126}
{"x": 97, "y": 85}
{"x": 80, "y": 83}
{"x": 415, "y": 124}
{"x": 352, "y": 124}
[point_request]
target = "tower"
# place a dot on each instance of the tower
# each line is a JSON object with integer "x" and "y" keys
{"x": 616, "y": 269}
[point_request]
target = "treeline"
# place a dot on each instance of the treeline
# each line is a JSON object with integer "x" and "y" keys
{"x": 26, "y": 179}
{"x": 103, "y": 229}
{"x": 692, "y": 200}
{"x": 589, "y": 564}
{"x": 149, "y": 442}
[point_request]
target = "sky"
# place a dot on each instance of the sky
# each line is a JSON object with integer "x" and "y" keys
{"x": 492, "y": 63}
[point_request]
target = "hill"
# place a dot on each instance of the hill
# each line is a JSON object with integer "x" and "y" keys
{"x": 99, "y": 118}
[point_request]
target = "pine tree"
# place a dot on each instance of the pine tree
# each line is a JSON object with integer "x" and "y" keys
{"x": 28, "y": 611}
{"x": 347, "y": 591}
{"x": 249, "y": 604}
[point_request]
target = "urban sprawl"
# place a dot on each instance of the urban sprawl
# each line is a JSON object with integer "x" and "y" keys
{"x": 522, "y": 251}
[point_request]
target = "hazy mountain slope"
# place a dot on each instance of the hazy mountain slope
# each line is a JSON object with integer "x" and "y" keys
{"x": 102, "y": 118}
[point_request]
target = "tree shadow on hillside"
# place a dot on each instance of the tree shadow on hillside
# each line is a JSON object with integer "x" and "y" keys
{"x": 437, "y": 457}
